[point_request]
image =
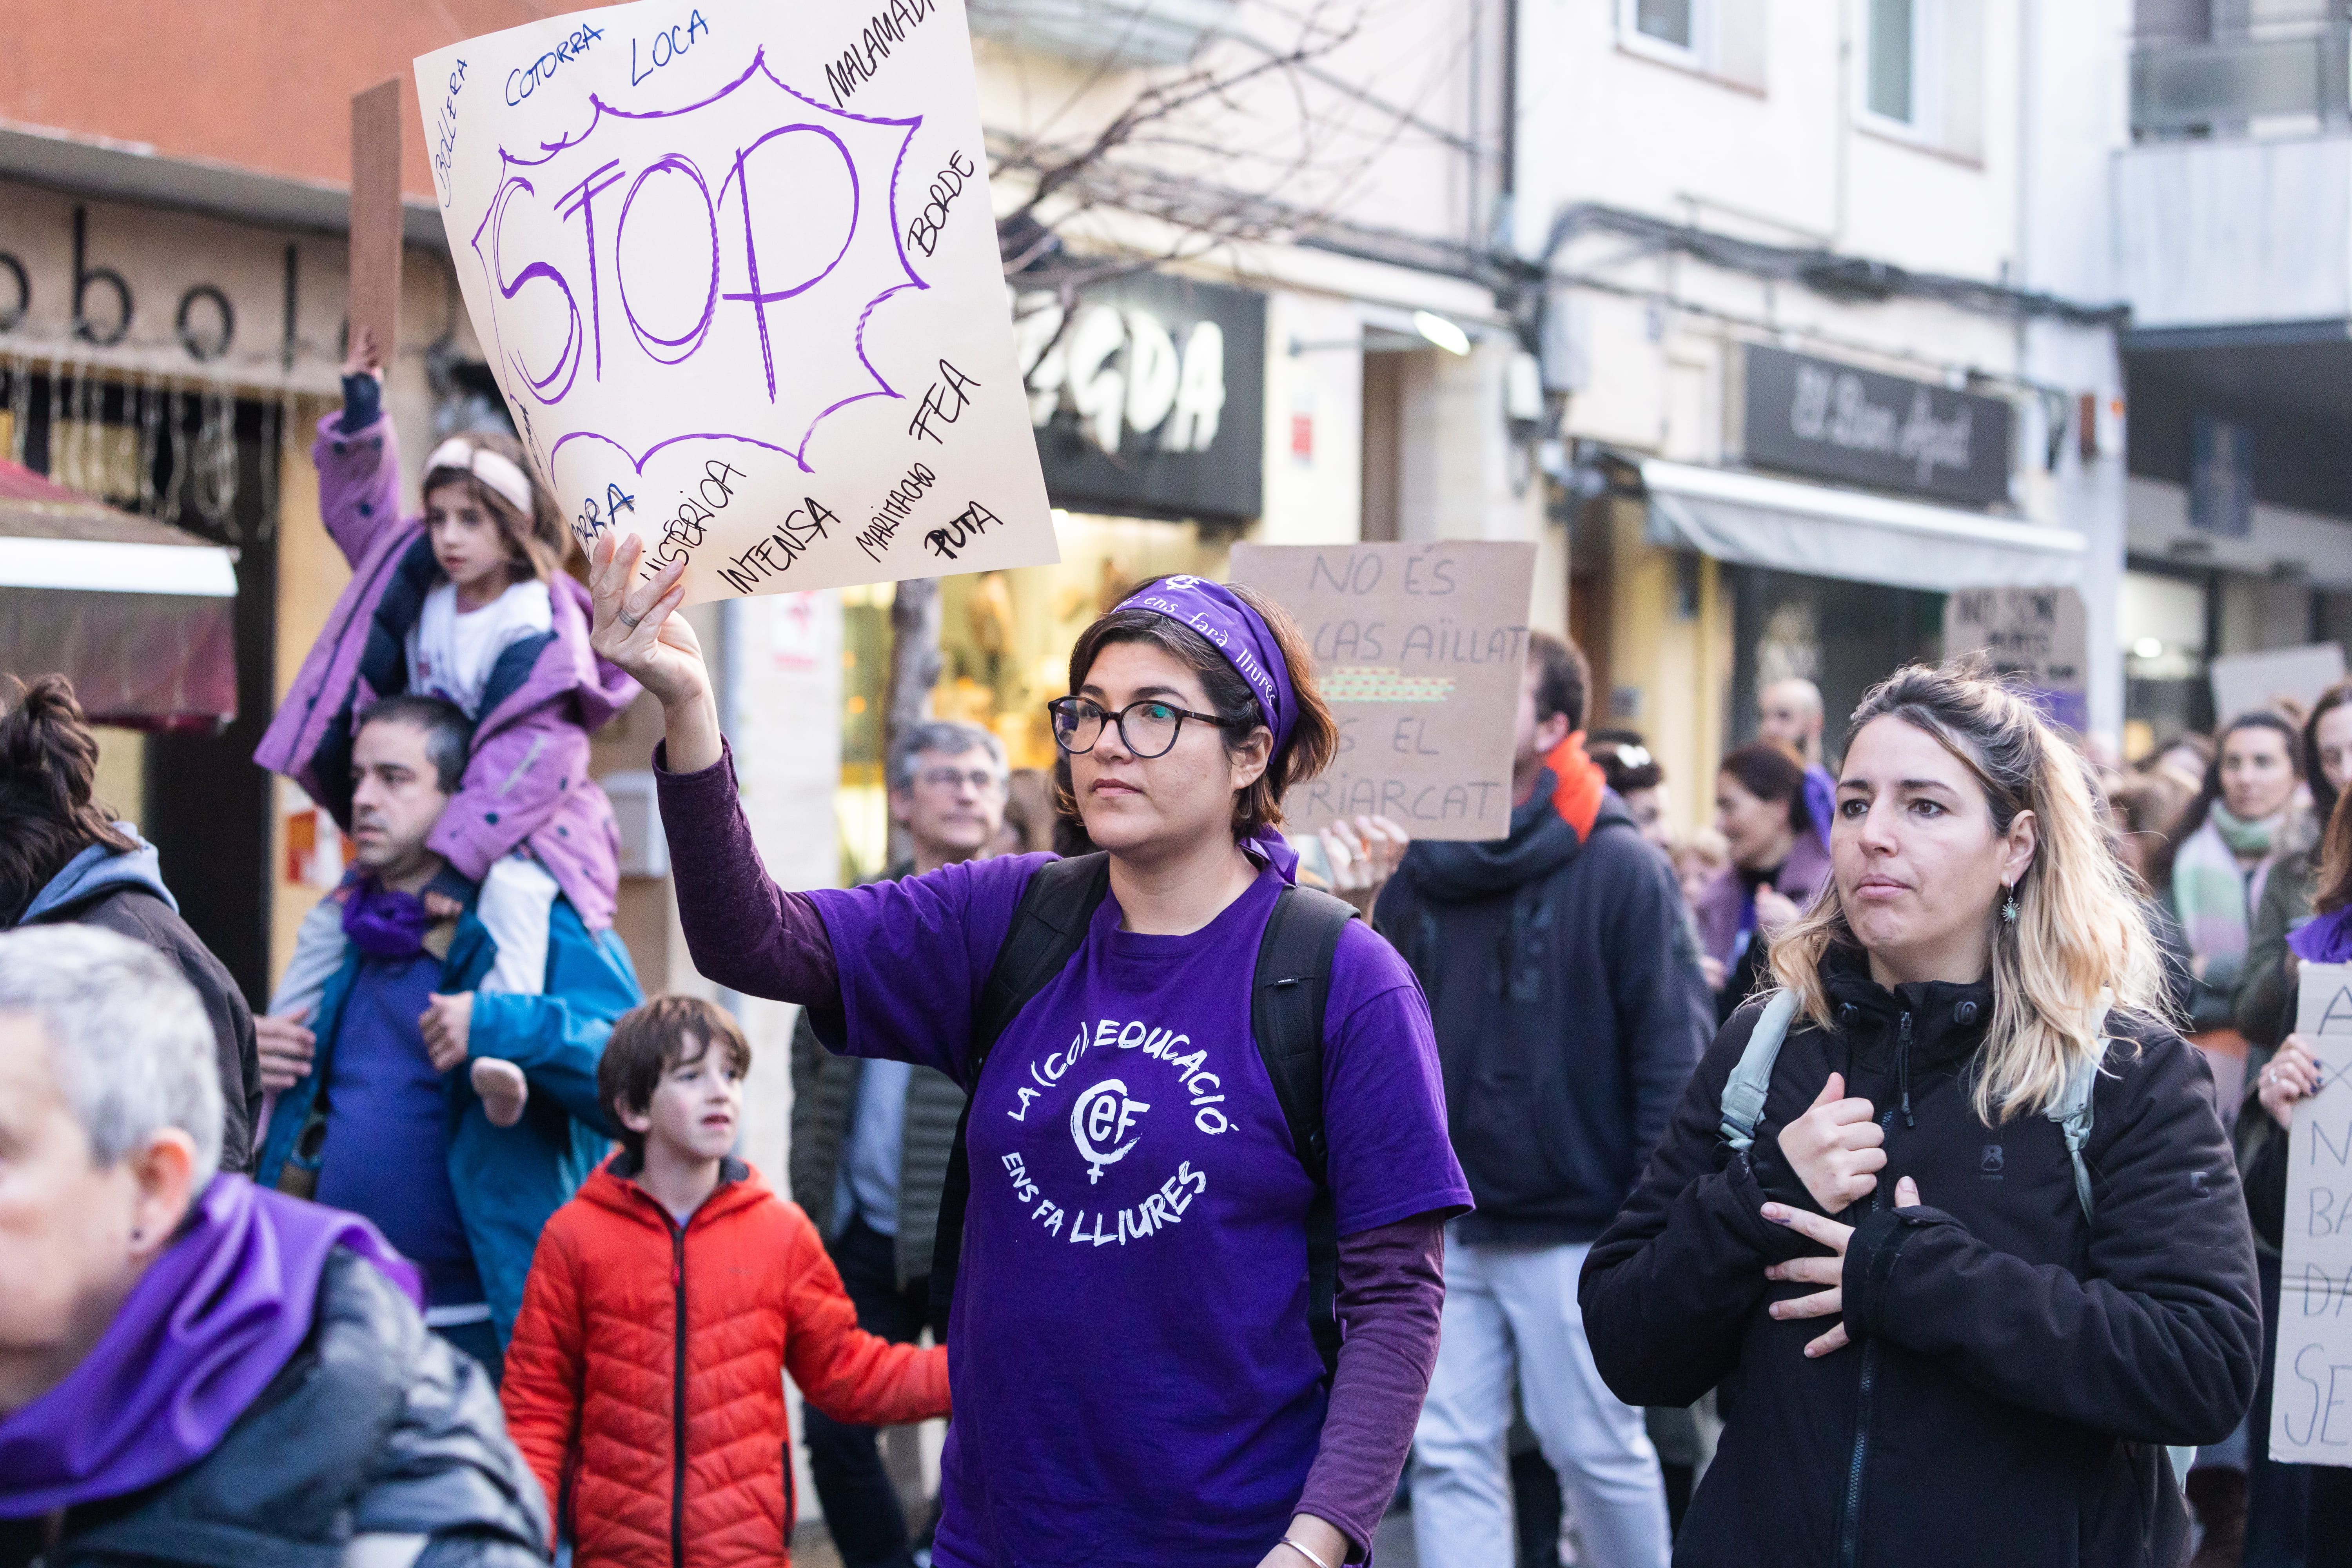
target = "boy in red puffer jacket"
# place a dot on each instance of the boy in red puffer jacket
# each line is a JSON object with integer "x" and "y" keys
{"x": 664, "y": 1301}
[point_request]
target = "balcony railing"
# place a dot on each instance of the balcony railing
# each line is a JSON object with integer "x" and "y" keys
{"x": 1122, "y": 34}
{"x": 2290, "y": 76}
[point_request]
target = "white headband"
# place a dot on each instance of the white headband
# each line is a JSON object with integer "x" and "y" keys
{"x": 501, "y": 474}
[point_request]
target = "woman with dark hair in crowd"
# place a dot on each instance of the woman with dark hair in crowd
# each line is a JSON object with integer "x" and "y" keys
{"x": 1133, "y": 1339}
{"x": 2265, "y": 1001}
{"x": 1630, "y": 768}
{"x": 1778, "y": 864}
{"x": 2300, "y": 1514}
{"x": 1950, "y": 1218}
{"x": 63, "y": 857}
{"x": 2220, "y": 854}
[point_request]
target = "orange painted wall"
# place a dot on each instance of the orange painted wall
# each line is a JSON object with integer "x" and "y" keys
{"x": 262, "y": 84}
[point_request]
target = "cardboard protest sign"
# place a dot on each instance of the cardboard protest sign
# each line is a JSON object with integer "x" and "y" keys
{"x": 2034, "y": 633}
{"x": 734, "y": 266}
{"x": 2310, "y": 1402}
{"x": 376, "y": 215}
{"x": 1418, "y": 649}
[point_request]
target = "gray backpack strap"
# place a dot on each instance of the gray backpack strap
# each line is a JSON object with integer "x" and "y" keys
{"x": 1752, "y": 1080}
{"x": 2072, "y": 1113}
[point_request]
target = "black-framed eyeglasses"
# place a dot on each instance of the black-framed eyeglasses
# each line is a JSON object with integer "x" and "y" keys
{"x": 1149, "y": 727}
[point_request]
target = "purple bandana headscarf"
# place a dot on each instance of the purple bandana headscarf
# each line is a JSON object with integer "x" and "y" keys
{"x": 384, "y": 924}
{"x": 2326, "y": 939}
{"x": 1240, "y": 635}
{"x": 210, "y": 1322}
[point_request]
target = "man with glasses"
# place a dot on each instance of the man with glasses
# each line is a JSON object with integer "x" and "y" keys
{"x": 871, "y": 1140}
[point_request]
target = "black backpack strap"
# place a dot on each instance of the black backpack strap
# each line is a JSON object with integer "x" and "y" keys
{"x": 1046, "y": 931}
{"x": 1286, "y": 997}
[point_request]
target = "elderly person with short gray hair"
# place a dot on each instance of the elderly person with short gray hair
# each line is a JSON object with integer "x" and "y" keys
{"x": 192, "y": 1370}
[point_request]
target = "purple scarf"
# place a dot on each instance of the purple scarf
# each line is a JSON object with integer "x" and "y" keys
{"x": 1242, "y": 637}
{"x": 212, "y": 1320}
{"x": 383, "y": 923}
{"x": 2327, "y": 938}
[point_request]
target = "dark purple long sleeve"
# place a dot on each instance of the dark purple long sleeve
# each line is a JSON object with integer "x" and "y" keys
{"x": 1392, "y": 1290}
{"x": 744, "y": 932}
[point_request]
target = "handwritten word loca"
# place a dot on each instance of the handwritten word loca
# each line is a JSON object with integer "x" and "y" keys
{"x": 884, "y": 29}
{"x": 665, "y": 45}
{"x": 923, "y": 232}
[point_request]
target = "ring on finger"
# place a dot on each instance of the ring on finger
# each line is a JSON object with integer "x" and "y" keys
{"x": 628, "y": 620}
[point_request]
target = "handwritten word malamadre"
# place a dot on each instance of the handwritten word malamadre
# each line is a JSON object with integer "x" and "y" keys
{"x": 895, "y": 507}
{"x": 957, "y": 385}
{"x": 683, "y": 532}
{"x": 523, "y": 81}
{"x": 923, "y": 232}
{"x": 773, "y": 556}
{"x": 966, "y": 526}
{"x": 885, "y": 27}
{"x": 665, "y": 46}
{"x": 445, "y": 131}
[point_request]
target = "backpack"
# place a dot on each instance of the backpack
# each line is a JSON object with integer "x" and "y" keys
{"x": 1743, "y": 1107}
{"x": 1287, "y": 991}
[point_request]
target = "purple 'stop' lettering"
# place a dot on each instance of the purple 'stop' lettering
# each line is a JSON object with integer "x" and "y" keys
{"x": 886, "y": 29}
{"x": 521, "y": 83}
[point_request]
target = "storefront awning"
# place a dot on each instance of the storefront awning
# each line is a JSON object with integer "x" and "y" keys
{"x": 1789, "y": 526}
{"x": 139, "y": 615}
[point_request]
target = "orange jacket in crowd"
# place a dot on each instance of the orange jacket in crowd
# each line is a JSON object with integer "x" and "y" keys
{"x": 646, "y": 1363}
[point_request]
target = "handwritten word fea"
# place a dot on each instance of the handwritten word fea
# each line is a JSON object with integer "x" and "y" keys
{"x": 966, "y": 526}
{"x": 861, "y": 59}
{"x": 923, "y": 232}
{"x": 957, "y": 385}
{"x": 897, "y": 506}
{"x": 523, "y": 81}
{"x": 665, "y": 45}
{"x": 773, "y": 556}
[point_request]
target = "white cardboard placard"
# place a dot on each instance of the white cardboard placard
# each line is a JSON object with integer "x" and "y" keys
{"x": 735, "y": 268}
{"x": 2311, "y": 1400}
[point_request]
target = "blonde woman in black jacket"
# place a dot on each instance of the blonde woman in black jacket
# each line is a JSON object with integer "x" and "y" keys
{"x": 1933, "y": 1344}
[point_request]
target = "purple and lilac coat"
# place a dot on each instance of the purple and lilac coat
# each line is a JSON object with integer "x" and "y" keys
{"x": 526, "y": 781}
{"x": 1721, "y": 907}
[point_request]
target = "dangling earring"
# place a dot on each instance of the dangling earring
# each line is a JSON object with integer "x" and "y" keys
{"x": 2008, "y": 904}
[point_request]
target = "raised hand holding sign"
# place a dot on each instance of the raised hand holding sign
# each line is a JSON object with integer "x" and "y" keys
{"x": 735, "y": 271}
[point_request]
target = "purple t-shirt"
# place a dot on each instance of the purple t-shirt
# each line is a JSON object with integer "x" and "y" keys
{"x": 1138, "y": 1217}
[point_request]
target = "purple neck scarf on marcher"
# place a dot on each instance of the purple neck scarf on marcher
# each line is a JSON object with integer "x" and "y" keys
{"x": 217, "y": 1316}
{"x": 384, "y": 924}
{"x": 2326, "y": 939}
{"x": 1241, "y": 636}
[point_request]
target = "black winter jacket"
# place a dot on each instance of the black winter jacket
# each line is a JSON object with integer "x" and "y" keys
{"x": 1565, "y": 990}
{"x": 376, "y": 1428}
{"x": 2014, "y": 1369}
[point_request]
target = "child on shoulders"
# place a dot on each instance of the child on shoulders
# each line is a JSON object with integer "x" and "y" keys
{"x": 664, "y": 1301}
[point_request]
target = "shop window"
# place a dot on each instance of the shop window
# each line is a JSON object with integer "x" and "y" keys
{"x": 1844, "y": 637}
{"x": 2161, "y": 620}
{"x": 1923, "y": 70}
{"x": 1720, "y": 38}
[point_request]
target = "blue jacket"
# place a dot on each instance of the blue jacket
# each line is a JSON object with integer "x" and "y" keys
{"x": 507, "y": 1180}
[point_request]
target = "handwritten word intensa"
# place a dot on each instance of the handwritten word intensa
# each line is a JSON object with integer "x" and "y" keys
{"x": 773, "y": 555}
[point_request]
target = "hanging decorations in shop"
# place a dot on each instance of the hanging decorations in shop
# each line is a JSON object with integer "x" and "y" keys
{"x": 736, "y": 272}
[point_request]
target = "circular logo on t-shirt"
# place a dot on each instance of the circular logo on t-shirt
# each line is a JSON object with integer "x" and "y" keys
{"x": 1102, "y": 1117}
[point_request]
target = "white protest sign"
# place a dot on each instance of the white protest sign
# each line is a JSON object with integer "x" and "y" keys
{"x": 1421, "y": 650}
{"x": 734, "y": 266}
{"x": 2310, "y": 1402}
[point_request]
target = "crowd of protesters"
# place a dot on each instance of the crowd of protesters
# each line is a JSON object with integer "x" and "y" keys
{"x": 1796, "y": 1188}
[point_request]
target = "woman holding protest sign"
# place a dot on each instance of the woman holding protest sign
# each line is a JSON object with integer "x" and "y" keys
{"x": 1145, "y": 1374}
{"x": 1969, "y": 1019}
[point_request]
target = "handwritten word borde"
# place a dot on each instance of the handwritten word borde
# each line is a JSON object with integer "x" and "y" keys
{"x": 758, "y": 325}
{"x": 1420, "y": 651}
